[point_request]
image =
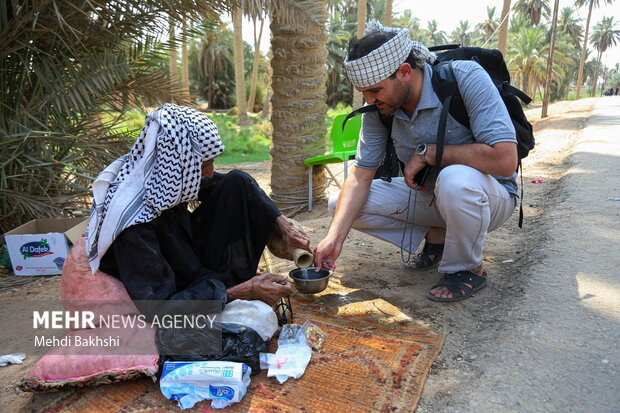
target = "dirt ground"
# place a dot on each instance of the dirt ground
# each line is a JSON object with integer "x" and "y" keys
{"x": 502, "y": 351}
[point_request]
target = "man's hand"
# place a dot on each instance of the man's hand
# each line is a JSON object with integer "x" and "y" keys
{"x": 293, "y": 237}
{"x": 414, "y": 165}
{"x": 326, "y": 253}
{"x": 350, "y": 202}
{"x": 266, "y": 287}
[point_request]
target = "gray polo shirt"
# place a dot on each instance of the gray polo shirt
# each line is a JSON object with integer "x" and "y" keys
{"x": 488, "y": 117}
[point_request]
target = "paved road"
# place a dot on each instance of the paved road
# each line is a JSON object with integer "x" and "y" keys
{"x": 562, "y": 352}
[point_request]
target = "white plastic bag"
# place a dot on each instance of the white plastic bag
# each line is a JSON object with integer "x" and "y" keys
{"x": 255, "y": 314}
{"x": 223, "y": 382}
{"x": 16, "y": 358}
{"x": 293, "y": 354}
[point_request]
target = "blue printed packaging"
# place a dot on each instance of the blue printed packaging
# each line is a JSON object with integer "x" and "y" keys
{"x": 222, "y": 382}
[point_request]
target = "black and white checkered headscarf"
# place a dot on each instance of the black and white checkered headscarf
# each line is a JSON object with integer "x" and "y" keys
{"x": 163, "y": 169}
{"x": 382, "y": 62}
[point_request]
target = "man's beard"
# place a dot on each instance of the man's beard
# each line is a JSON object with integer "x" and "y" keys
{"x": 387, "y": 110}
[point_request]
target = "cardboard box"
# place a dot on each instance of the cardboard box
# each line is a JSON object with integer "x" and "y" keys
{"x": 40, "y": 247}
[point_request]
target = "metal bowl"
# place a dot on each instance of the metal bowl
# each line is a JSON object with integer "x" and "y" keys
{"x": 309, "y": 281}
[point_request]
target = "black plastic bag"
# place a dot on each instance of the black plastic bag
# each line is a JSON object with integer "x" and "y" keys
{"x": 238, "y": 343}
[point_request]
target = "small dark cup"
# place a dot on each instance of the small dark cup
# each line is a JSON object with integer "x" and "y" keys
{"x": 314, "y": 282}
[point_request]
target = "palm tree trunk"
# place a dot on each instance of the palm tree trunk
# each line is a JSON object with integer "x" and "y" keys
{"x": 526, "y": 85}
{"x": 172, "y": 57}
{"x": 185, "y": 66}
{"x": 582, "y": 60}
{"x": 389, "y": 11}
{"x": 299, "y": 108}
{"x": 239, "y": 70}
{"x": 361, "y": 26}
{"x": 503, "y": 28}
{"x": 598, "y": 67}
{"x": 254, "y": 77}
{"x": 554, "y": 23}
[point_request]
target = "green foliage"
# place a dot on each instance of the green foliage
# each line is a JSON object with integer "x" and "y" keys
{"x": 61, "y": 66}
{"x": 211, "y": 67}
{"x": 243, "y": 144}
{"x": 527, "y": 52}
{"x": 259, "y": 99}
{"x": 252, "y": 143}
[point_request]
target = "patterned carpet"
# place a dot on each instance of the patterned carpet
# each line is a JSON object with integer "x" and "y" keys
{"x": 364, "y": 366}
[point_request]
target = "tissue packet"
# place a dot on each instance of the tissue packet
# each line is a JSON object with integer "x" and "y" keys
{"x": 223, "y": 382}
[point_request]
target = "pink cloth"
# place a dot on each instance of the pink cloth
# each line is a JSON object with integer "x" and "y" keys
{"x": 81, "y": 290}
{"x": 78, "y": 365}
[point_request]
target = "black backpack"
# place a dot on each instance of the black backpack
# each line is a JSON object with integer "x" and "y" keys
{"x": 446, "y": 88}
{"x": 492, "y": 61}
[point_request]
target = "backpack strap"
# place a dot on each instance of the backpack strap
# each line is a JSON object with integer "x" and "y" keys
{"x": 390, "y": 165}
{"x": 363, "y": 109}
{"x": 445, "y": 87}
{"x": 518, "y": 93}
{"x": 520, "y": 168}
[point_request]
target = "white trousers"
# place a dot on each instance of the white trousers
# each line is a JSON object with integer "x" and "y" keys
{"x": 468, "y": 204}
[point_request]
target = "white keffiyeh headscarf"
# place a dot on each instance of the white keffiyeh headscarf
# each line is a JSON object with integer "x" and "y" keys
{"x": 163, "y": 169}
{"x": 382, "y": 62}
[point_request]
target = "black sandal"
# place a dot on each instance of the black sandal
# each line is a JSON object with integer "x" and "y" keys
{"x": 423, "y": 260}
{"x": 456, "y": 283}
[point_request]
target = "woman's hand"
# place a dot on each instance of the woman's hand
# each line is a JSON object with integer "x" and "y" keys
{"x": 293, "y": 237}
{"x": 266, "y": 287}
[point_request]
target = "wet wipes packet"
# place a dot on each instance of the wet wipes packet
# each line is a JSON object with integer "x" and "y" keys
{"x": 223, "y": 382}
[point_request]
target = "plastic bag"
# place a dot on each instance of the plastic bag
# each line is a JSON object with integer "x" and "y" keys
{"x": 223, "y": 382}
{"x": 239, "y": 344}
{"x": 254, "y": 314}
{"x": 16, "y": 358}
{"x": 293, "y": 354}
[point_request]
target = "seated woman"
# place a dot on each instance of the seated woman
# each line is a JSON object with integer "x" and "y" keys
{"x": 142, "y": 232}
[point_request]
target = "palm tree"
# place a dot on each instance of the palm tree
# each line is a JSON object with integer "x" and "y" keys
{"x": 489, "y": 25}
{"x": 503, "y": 28}
{"x": 66, "y": 72}
{"x": 570, "y": 25}
{"x": 436, "y": 36}
{"x": 242, "y": 109}
{"x": 339, "y": 88}
{"x": 591, "y": 4}
{"x": 388, "y": 12}
{"x": 185, "y": 63}
{"x": 408, "y": 21}
{"x": 526, "y": 57}
{"x": 172, "y": 56}
{"x": 256, "y": 61}
{"x": 298, "y": 116}
{"x": 212, "y": 64}
{"x": 605, "y": 35}
{"x": 567, "y": 71}
{"x": 554, "y": 23}
{"x": 517, "y": 22}
{"x": 535, "y": 9}
{"x": 375, "y": 9}
{"x": 361, "y": 25}
{"x": 462, "y": 34}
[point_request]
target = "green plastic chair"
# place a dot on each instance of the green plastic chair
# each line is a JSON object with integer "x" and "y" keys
{"x": 344, "y": 149}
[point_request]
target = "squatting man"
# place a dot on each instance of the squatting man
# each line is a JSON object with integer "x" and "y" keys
{"x": 475, "y": 191}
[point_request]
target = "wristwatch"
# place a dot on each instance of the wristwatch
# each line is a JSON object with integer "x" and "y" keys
{"x": 420, "y": 150}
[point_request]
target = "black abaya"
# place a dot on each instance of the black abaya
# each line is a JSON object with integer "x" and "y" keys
{"x": 196, "y": 256}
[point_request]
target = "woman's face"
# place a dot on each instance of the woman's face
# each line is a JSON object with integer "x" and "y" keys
{"x": 207, "y": 168}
